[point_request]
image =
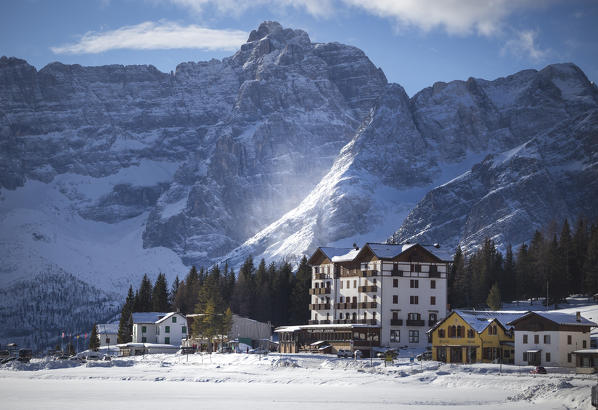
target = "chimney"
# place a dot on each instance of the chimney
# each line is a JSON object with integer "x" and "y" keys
{"x": 355, "y": 246}
{"x": 578, "y": 316}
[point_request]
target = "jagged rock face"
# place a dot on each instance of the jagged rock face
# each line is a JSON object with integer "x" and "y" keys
{"x": 250, "y": 134}
{"x": 506, "y": 197}
{"x": 420, "y": 143}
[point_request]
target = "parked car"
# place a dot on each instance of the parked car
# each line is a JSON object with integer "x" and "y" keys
{"x": 538, "y": 370}
{"x": 258, "y": 351}
{"x": 344, "y": 353}
{"x": 427, "y": 355}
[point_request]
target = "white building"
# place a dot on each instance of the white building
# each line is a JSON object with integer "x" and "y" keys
{"x": 157, "y": 327}
{"x": 107, "y": 334}
{"x": 550, "y": 338}
{"x": 400, "y": 289}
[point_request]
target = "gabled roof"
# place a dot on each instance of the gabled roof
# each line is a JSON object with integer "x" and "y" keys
{"x": 347, "y": 257}
{"x": 479, "y": 320}
{"x": 147, "y": 317}
{"x": 391, "y": 251}
{"x": 107, "y": 328}
{"x": 329, "y": 253}
{"x": 169, "y": 315}
{"x": 559, "y": 318}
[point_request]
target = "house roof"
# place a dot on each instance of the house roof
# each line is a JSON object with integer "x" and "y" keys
{"x": 559, "y": 318}
{"x": 331, "y": 326}
{"x": 335, "y": 252}
{"x": 390, "y": 251}
{"x": 479, "y": 320}
{"x": 147, "y": 317}
{"x": 347, "y": 257}
{"x": 107, "y": 328}
{"x": 169, "y": 315}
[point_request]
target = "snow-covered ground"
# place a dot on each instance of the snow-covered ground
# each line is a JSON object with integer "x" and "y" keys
{"x": 283, "y": 382}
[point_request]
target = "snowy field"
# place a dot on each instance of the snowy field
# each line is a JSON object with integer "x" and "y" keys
{"x": 226, "y": 381}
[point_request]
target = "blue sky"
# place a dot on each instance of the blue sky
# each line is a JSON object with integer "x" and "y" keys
{"x": 415, "y": 42}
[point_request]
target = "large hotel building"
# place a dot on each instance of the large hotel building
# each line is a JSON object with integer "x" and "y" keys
{"x": 378, "y": 296}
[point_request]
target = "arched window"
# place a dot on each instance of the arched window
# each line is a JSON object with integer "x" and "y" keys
{"x": 452, "y": 331}
{"x": 460, "y": 331}
{"x": 470, "y": 333}
{"x": 354, "y": 316}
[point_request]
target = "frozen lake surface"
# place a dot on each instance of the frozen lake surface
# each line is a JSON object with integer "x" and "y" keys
{"x": 283, "y": 382}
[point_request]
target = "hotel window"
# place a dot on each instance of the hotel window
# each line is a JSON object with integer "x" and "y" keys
{"x": 569, "y": 339}
{"x": 395, "y": 336}
{"x": 470, "y": 334}
{"x": 340, "y": 315}
{"x": 341, "y": 284}
{"x": 432, "y": 284}
{"x": 414, "y": 336}
{"x": 375, "y": 282}
{"x": 395, "y": 283}
{"x": 413, "y": 300}
{"x": 395, "y": 299}
{"x": 395, "y": 315}
{"x": 167, "y": 330}
{"x": 167, "y": 340}
{"x": 354, "y": 284}
{"x": 525, "y": 356}
{"x": 416, "y": 268}
{"x": 441, "y": 333}
{"x": 413, "y": 316}
{"x": 432, "y": 317}
{"x": 584, "y": 344}
{"x": 546, "y": 339}
{"x": 143, "y": 329}
{"x": 341, "y": 299}
{"x": 348, "y": 284}
{"x": 174, "y": 319}
{"x": 547, "y": 356}
{"x": 184, "y": 329}
{"x": 432, "y": 300}
{"x": 525, "y": 340}
{"x": 536, "y": 339}
{"x": 569, "y": 357}
{"x": 414, "y": 283}
{"x": 460, "y": 331}
{"x": 433, "y": 269}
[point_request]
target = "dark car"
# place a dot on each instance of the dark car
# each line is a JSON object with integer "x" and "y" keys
{"x": 538, "y": 370}
{"x": 427, "y": 355}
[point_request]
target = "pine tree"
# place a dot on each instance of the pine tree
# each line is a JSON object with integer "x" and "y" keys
{"x": 144, "y": 297}
{"x": 509, "y": 281}
{"x": 493, "y": 299}
{"x": 281, "y": 294}
{"x": 580, "y": 246}
{"x": 160, "y": 294}
{"x": 172, "y": 294}
{"x": 94, "y": 340}
{"x": 125, "y": 326}
{"x": 590, "y": 267}
{"x": 263, "y": 296}
{"x": 460, "y": 291}
{"x": 244, "y": 291}
{"x": 522, "y": 273}
{"x": 300, "y": 298}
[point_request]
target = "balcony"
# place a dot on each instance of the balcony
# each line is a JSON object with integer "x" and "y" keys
{"x": 321, "y": 276}
{"x": 416, "y": 322}
{"x": 344, "y": 321}
{"x": 346, "y": 305}
{"x": 396, "y": 272}
{"x": 435, "y": 274}
{"x": 370, "y": 288}
{"x": 368, "y": 273}
{"x": 367, "y": 305}
{"x": 367, "y": 321}
{"x": 319, "y": 306}
{"x": 313, "y": 322}
{"x": 319, "y": 291}
{"x": 396, "y": 322}
{"x": 324, "y": 322}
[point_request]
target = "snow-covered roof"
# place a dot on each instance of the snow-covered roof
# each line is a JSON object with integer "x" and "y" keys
{"x": 107, "y": 328}
{"x": 385, "y": 251}
{"x": 333, "y": 252}
{"x": 479, "y": 320}
{"x": 349, "y": 256}
{"x": 565, "y": 318}
{"x": 147, "y": 317}
{"x": 332, "y": 326}
{"x": 169, "y": 315}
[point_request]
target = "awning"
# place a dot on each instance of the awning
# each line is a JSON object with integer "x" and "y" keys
{"x": 533, "y": 351}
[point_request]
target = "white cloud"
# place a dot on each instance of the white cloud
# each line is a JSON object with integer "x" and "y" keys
{"x": 316, "y": 8}
{"x": 524, "y": 45}
{"x": 155, "y": 35}
{"x": 461, "y": 17}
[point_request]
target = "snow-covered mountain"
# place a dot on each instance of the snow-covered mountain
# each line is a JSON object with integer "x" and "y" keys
{"x": 408, "y": 147}
{"x": 107, "y": 173}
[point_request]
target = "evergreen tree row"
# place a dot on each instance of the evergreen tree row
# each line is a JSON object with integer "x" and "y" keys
{"x": 269, "y": 293}
{"x": 558, "y": 261}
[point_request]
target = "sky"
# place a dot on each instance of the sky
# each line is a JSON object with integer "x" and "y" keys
{"x": 415, "y": 42}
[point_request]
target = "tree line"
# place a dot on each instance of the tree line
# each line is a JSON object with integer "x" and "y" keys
{"x": 558, "y": 261}
{"x": 267, "y": 293}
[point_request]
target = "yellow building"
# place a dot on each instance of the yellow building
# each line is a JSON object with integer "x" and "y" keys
{"x": 474, "y": 337}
